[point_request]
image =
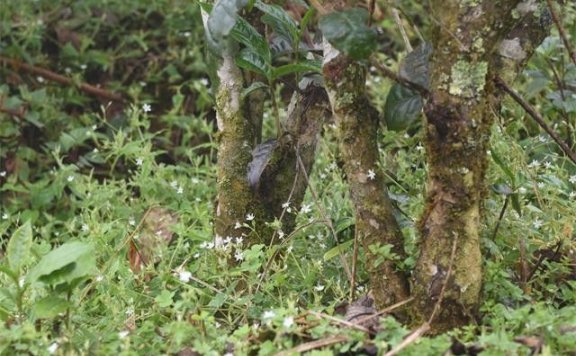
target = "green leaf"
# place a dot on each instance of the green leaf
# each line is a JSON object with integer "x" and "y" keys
{"x": 221, "y": 21}
{"x": 65, "y": 264}
{"x": 246, "y": 34}
{"x": 50, "y": 307}
{"x": 496, "y": 158}
{"x": 416, "y": 66}
{"x": 251, "y": 61}
{"x": 300, "y": 67}
{"x": 502, "y": 189}
{"x": 280, "y": 21}
{"x": 403, "y": 107}
{"x": 252, "y": 88}
{"x": 338, "y": 249}
{"x": 348, "y": 32}
{"x": 18, "y": 250}
{"x": 164, "y": 299}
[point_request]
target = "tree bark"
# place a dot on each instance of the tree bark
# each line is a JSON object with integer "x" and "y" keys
{"x": 376, "y": 226}
{"x": 459, "y": 113}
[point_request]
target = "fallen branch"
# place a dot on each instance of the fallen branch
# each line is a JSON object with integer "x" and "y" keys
{"x": 331, "y": 340}
{"x": 537, "y": 117}
{"x": 58, "y": 78}
{"x": 415, "y": 335}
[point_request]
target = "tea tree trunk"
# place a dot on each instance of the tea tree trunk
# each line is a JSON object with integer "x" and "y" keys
{"x": 459, "y": 113}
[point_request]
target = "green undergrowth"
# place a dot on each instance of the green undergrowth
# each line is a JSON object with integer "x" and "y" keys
{"x": 106, "y": 242}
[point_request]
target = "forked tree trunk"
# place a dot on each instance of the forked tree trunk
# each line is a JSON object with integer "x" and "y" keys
{"x": 255, "y": 179}
{"x": 459, "y": 114}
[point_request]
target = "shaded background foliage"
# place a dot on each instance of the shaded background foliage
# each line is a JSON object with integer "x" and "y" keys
{"x": 83, "y": 167}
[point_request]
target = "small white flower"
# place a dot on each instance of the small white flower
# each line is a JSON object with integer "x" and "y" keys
{"x": 3, "y": 174}
{"x": 288, "y": 322}
{"x": 286, "y": 205}
{"x": 255, "y": 326}
{"x": 306, "y": 208}
{"x": 146, "y": 108}
{"x": 95, "y": 150}
{"x": 204, "y": 82}
{"x": 131, "y": 222}
{"x": 184, "y": 276}
{"x": 542, "y": 138}
{"x": 419, "y": 147}
{"x": 269, "y": 314}
{"x": 249, "y": 217}
{"x": 196, "y": 255}
{"x": 180, "y": 190}
{"x": 239, "y": 240}
{"x": 322, "y": 176}
{"x": 139, "y": 161}
{"x": 130, "y": 311}
{"x": 371, "y": 174}
{"x": 537, "y": 223}
{"x": 122, "y": 334}
{"x": 572, "y": 179}
{"x": 289, "y": 249}
{"x": 228, "y": 354}
{"x": 187, "y": 34}
{"x": 548, "y": 164}
{"x": 319, "y": 288}
{"x": 67, "y": 70}
{"x": 237, "y": 225}
{"x": 40, "y": 79}
{"x": 522, "y": 190}
{"x": 572, "y": 195}
{"x": 534, "y": 164}
{"x": 174, "y": 184}
{"x": 70, "y": 178}
{"x": 99, "y": 278}
{"x": 281, "y": 234}
{"x": 5, "y": 216}
{"x": 85, "y": 227}
{"x": 217, "y": 325}
{"x": 540, "y": 185}
{"x": 21, "y": 282}
{"x": 83, "y": 66}
{"x": 195, "y": 181}
{"x": 239, "y": 256}
{"x": 53, "y": 347}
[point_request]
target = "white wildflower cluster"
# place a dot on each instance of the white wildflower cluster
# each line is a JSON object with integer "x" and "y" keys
{"x": 174, "y": 184}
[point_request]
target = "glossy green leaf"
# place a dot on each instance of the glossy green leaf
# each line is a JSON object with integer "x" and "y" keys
{"x": 279, "y": 21}
{"x": 246, "y": 34}
{"x": 253, "y": 62}
{"x": 348, "y": 32}
{"x": 300, "y": 67}
{"x": 18, "y": 250}
{"x": 253, "y": 87}
{"x": 403, "y": 108}
{"x": 416, "y": 66}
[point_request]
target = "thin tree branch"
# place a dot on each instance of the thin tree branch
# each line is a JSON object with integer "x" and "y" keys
{"x": 58, "y": 78}
{"x": 562, "y": 32}
{"x": 387, "y": 72}
{"x": 537, "y": 117}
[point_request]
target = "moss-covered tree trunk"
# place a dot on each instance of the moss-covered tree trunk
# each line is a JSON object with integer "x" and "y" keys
{"x": 467, "y": 43}
{"x": 357, "y": 123}
{"x": 255, "y": 179}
